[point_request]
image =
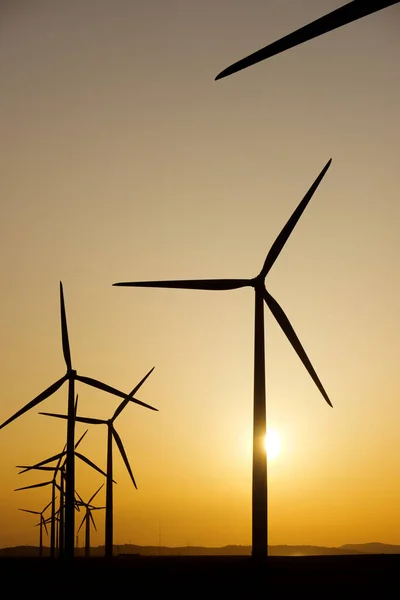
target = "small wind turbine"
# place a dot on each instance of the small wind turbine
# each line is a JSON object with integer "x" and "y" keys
{"x": 259, "y": 496}
{"x": 89, "y": 517}
{"x": 42, "y": 523}
{"x": 112, "y": 433}
{"x": 71, "y": 376}
{"x": 341, "y": 16}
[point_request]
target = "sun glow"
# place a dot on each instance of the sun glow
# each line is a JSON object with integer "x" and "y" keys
{"x": 272, "y": 444}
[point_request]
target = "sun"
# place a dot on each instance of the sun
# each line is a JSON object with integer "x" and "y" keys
{"x": 272, "y": 443}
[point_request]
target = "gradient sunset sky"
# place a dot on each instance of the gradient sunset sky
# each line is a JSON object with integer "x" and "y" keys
{"x": 122, "y": 159}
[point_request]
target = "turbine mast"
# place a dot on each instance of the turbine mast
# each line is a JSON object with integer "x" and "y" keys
{"x": 259, "y": 491}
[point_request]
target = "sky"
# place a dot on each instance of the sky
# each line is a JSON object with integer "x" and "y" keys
{"x": 121, "y": 160}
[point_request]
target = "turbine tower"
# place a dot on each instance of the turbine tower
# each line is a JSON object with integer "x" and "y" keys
{"x": 341, "y": 16}
{"x": 71, "y": 376}
{"x": 259, "y": 492}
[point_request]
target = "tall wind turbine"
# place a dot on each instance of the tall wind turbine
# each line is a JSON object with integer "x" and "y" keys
{"x": 341, "y": 16}
{"x": 71, "y": 376}
{"x": 259, "y": 495}
{"x": 112, "y": 434}
{"x": 89, "y": 517}
{"x": 42, "y": 523}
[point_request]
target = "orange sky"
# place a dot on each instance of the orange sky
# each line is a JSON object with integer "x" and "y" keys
{"x": 123, "y": 160}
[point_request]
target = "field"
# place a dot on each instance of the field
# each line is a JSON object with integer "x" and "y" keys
{"x": 186, "y": 577}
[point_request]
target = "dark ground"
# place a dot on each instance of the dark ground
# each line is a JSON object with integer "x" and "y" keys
{"x": 190, "y": 577}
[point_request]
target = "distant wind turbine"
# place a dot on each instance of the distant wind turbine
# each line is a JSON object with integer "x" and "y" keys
{"x": 112, "y": 434}
{"x": 341, "y": 16}
{"x": 42, "y": 523}
{"x": 88, "y": 517}
{"x": 59, "y": 468}
{"x": 71, "y": 376}
{"x": 259, "y": 495}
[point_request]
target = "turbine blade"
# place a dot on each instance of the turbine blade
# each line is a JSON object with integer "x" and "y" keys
{"x": 294, "y": 340}
{"x": 45, "y": 462}
{"x": 79, "y": 497}
{"x": 76, "y": 405}
{"x": 127, "y": 400}
{"x": 34, "y": 512}
{"x": 95, "y": 494}
{"x": 81, "y": 438}
{"x": 341, "y": 16}
{"x": 25, "y": 469}
{"x": 35, "y": 485}
{"x": 123, "y": 454}
{"x": 79, "y": 419}
{"x": 82, "y": 522}
{"x": 48, "y": 392}
{"x": 45, "y": 526}
{"x": 90, "y": 463}
{"x": 107, "y": 388}
{"x": 64, "y": 331}
{"x": 191, "y": 284}
{"x": 91, "y": 518}
{"x": 46, "y": 507}
{"x": 290, "y": 225}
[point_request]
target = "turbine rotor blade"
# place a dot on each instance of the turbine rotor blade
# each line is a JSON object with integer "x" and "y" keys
{"x": 123, "y": 454}
{"x": 341, "y": 16}
{"x": 91, "y": 518}
{"x": 89, "y": 420}
{"x": 45, "y": 462}
{"x": 291, "y": 224}
{"x": 36, "y": 485}
{"x": 95, "y": 494}
{"x": 191, "y": 284}
{"x": 44, "y": 523}
{"x": 127, "y": 400}
{"x": 288, "y": 330}
{"x": 82, "y": 522}
{"x": 90, "y": 463}
{"x": 107, "y": 388}
{"x": 81, "y": 438}
{"x": 34, "y": 512}
{"x": 48, "y": 392}
{"x": 64, "y": 331}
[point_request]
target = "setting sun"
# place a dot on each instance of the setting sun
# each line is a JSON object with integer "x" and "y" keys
{"x": 272, "y": 444}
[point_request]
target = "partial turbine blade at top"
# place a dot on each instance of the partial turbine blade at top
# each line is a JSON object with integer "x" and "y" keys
{"x": 64, "y": 331}
{"x": 123, "y": 454}
{"x": 191, "y": 284}
{"x": 290, "y": 225}
{"x": 111, "y": 390}
{"x": 128, "y": 399}
{"x": 50, "y": 390}
{"x": 341, "y": 16}
{"x": 294, "y": 340}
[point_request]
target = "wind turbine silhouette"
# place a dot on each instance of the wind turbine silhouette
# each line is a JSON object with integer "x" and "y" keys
{"x": 59, "y": 468}
{"x": 112, "y": 434}
{"x": 71, "y": 376}
{"x": 259, "y": 493}
{"x": 341, "y": 16}
{"x": 42, "y": 523}
{"x": 89, "y": 517}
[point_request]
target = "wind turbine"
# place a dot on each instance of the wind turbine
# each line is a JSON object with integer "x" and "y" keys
{"x": 341, "y": 16}
{"x": 71, "y": 376}
{"x": 59, "y": 468}
{"x": 89, "y": 517}
{"x": 112, "y": 434}
{"x": 259, "y": 494}
{"x": 42, "y": 523}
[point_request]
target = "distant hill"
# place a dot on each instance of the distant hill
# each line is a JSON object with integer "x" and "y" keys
{"x": 371, "y": 548}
